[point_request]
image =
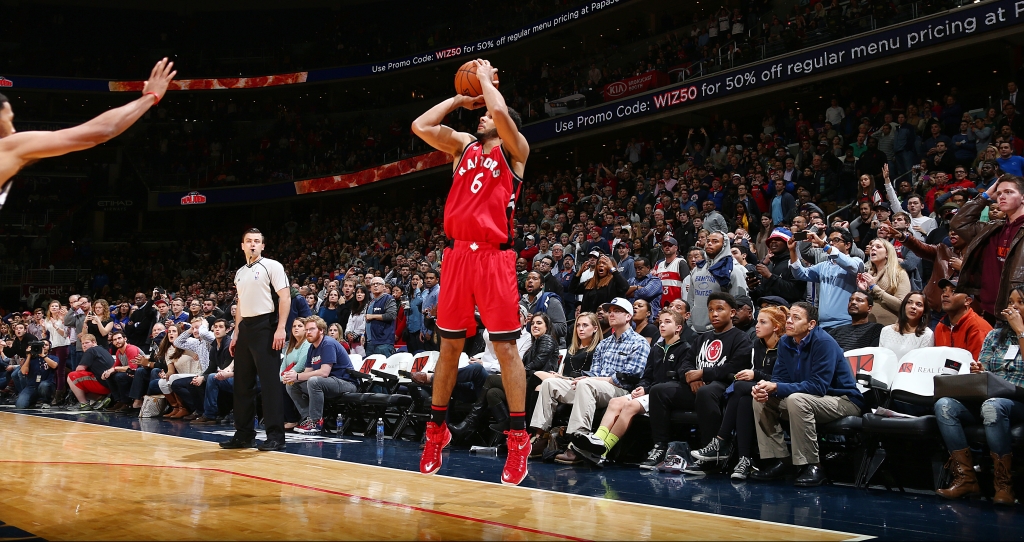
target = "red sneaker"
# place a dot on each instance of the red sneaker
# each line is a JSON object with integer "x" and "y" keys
{"x": 437, "y": 438}
{"x": 519, "y": 448}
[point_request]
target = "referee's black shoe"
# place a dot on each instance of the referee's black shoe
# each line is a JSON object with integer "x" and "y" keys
{"x": 271, "y": 445}
{"x": 237, "y": 444}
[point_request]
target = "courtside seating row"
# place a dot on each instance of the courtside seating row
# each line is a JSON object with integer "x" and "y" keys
{"x": 884, "y": 380}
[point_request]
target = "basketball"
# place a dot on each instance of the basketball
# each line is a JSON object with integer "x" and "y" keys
{"x": 466, "y": 81}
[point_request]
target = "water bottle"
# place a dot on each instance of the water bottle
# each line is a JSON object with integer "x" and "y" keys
{"x": 380, "y": 452}
{"x": 380, "y": 430}
{"x": 341, "y": 423}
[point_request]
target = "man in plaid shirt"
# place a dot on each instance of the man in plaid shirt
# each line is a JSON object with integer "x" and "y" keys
{"x": 623, "y": 351}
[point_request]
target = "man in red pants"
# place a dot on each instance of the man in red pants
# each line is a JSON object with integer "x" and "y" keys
{"x": 479, "y": 263}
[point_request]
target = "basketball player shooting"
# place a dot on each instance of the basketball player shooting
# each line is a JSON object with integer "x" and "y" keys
{"x": 18, "y": 150}
{"x": 479, "y": 263}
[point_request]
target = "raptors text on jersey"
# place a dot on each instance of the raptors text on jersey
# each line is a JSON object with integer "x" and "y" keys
{"x": 482, "y": 200}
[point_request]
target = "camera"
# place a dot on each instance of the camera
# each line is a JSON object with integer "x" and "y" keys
{"x": 628, "y": 380}
{"x": 35, "y": 348}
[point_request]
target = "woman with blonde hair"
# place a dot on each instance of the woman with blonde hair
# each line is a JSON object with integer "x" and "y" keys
{"x": 885, "y": 280}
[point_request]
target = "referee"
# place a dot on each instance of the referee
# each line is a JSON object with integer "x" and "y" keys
{"x": 258, "y": 332}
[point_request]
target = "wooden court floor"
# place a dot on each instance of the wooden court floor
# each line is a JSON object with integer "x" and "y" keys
{"x": 65, "y": 480}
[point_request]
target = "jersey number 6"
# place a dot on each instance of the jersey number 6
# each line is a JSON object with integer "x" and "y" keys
{"x": 477, "y": 183}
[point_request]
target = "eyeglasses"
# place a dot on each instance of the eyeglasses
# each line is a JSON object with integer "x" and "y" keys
{"x": 835, "y": 240}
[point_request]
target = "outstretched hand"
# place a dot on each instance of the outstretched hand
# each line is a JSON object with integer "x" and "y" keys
{"x": 161, "y": 76}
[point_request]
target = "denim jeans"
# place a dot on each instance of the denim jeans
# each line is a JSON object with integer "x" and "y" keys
{"x": 42, "y": 391}
{"x": 309, "y": 396}
{"x": 214, "y": 387}
{"x": 387, "y": 350}
{"x": 997, "y": 415}
{"x": 469, "y": 383}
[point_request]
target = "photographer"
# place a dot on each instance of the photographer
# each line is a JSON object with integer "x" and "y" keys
{"x": 34, "y": 381}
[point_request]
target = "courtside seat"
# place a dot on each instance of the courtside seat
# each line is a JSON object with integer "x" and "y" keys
{"x": 912, "y": 382}
{"x": 873, "y": 368}
{"x": 381, "y": 398}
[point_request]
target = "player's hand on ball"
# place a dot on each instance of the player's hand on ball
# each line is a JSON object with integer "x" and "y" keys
{"x": 468, "y": 102}
{"x": 159, "y": 78}
{"x": 485, "y": 72}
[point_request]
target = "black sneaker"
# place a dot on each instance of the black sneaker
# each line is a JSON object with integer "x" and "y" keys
{"x": 237, "y": 444}
{"x": 654, "y": 458}
{"x": 588, "y": 443}
{"x": 271, "y": 446}
{"x": 742, "y": 469}
{"x": 717, "y": 450}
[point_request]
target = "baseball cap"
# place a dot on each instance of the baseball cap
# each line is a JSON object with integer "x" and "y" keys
{"x": 774, "y": 301}
{"x": 883, "y": 205}
{"x": 947, "y": 282}
{"x": 596, "y": 253}
{"x": 159, "y": 302}
{"x": 744, "y": 301}
{"x": 530, "y": 237}
{"x": 26, "y": 313}
{"x": 670, "y": 240}
{"x": 620, "y": 303}
{"x": 783, "y": 234}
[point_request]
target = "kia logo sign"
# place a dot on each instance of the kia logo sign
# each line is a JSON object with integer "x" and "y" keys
{"x": 617, "y": 88}
{"x": 193, "y": 198}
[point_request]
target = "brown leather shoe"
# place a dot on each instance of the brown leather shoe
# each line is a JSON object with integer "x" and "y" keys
{"x": 569, "y": 457}
{"x": 964, "y": 481}
{"x": 177, "y": 413}
{"x": 1002, "y": 480}
{"x": 422, "y": 378}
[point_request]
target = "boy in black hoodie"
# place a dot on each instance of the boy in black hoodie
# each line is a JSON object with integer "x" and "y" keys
{"x": 701, "y": 379}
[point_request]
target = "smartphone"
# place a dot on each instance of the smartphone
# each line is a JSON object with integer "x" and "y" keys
{"x": 800, "y": 236}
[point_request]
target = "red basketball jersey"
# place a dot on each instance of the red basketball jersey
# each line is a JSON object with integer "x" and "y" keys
{"x": 482, "y": 200}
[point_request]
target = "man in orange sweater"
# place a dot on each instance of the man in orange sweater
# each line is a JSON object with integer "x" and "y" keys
{"x": 961, "y": 327}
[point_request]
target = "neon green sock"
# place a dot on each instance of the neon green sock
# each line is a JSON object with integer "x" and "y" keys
{"x": 601, "y": 433}
{"x": 610, "y": 441}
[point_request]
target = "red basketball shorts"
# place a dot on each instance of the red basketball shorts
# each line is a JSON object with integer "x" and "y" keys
{"x": 86, "y": 381}
{"x": 476, "y": 275}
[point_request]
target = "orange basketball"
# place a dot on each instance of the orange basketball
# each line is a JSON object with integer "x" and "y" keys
{"x": 466, "y": 81}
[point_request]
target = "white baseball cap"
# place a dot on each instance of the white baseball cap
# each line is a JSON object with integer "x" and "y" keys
{"x": 621, "y": 303}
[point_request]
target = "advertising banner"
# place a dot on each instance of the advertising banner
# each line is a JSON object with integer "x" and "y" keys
{"x": 968, "y": 21}
{"x": 469, "y": 50}
{"x": 635, "y": 85}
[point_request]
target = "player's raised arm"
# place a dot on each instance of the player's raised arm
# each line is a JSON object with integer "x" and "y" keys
{"x": 20, "y": 148}
{"x": 429, "y": 128}
{"x": 511, "y": 139}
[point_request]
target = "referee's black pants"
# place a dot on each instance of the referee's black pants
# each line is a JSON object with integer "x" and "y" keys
{"x": 255, "y": 355}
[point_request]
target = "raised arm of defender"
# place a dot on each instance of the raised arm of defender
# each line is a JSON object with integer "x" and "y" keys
{"x": 19, "y": 149}
{"x": 429, "y": 128}
{"x": 511, "y": 139}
